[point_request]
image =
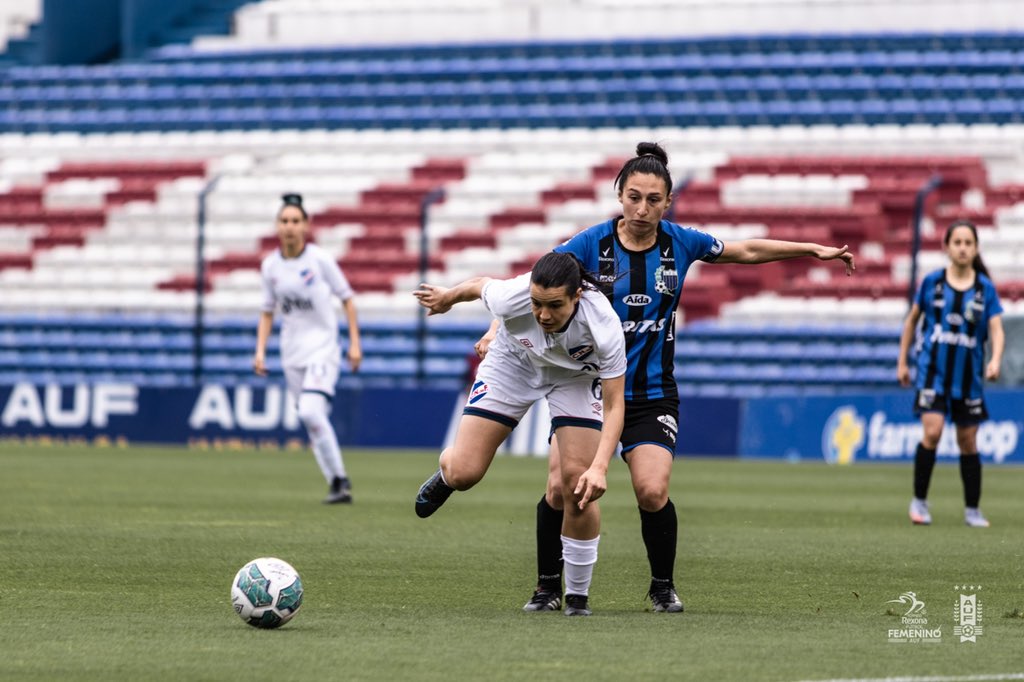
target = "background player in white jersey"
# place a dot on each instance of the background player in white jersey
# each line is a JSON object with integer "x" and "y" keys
{"x": 559, "y": 339}
{"x": 300, "y": 279}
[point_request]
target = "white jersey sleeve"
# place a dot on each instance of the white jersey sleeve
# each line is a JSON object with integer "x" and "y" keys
{"x": 606, "y": 330}
{"x": 506, "y": 298}
{"x": 334, "y": 277}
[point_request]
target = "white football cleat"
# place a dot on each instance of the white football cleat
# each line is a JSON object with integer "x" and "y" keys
{"x": 919, "y": 514}
{"x": 974, "y": 519}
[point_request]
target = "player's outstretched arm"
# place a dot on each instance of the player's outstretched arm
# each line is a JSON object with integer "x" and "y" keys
{"x": 439, "y": 300}
{"x": 753, "y": 251}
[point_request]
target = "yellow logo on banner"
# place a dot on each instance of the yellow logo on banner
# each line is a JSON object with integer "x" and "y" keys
{"x": 842, "y": 436}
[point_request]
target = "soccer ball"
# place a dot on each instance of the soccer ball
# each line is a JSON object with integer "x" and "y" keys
{"x": 266, "y": 592}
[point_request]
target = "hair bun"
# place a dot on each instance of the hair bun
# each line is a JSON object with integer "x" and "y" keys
{"x": 292, "y": 199}
{"x": 652, "y": 149}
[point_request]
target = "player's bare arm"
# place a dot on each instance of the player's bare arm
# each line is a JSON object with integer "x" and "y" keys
{"x": 484, "y": 343}
{"x": 753, "y": 251}
{"x": 439, "y": 300}
{"x": 263, "y": 329}
{"x": 998, "y": 340}
{"x": 355, "y": 347}
{"x": 906, "y": 338}
{"x": 593, "y": 482}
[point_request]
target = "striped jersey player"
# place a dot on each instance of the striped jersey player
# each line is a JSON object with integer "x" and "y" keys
{"x": 959, "y": 313}
{"x": 644, "y": 288}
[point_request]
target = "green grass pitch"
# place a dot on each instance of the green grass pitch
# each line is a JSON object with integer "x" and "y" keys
{"x": 115, "y": 564}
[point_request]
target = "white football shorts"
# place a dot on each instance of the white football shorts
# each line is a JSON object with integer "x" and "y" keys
{"x": 506, "y": 385}
{"x": 316, "y": 377}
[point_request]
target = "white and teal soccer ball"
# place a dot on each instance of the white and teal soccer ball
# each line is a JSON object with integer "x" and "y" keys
{"x": 266, "y": 592}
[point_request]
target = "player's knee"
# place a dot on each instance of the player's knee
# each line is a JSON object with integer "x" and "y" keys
{"x": 460, "y": 474}
{"x": 553, "y": 494}
{"x": 967, "y": 443}
{"x": 651, "y": 496}
{"x": 313, "y": 411}
{"x": 930, "y": 437}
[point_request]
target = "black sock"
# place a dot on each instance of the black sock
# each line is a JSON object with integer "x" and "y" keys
{"x": 924, "y": 462}
{"x": 970, "y": 474}
{"x": 549, "y": 546}
{"x": 660, "y": 531}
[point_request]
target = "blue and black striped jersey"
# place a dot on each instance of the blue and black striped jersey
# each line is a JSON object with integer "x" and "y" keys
{"x": 954, "y": 329}
{"x": 644, "y": 288}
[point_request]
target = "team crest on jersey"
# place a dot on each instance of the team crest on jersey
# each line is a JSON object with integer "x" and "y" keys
{"x": 665, "y": 280}
{"x": 580, "y": 352}
{"x": 526, "y": 342}
{"x": 478, "y": 391}
{"x": 307, "y": 277}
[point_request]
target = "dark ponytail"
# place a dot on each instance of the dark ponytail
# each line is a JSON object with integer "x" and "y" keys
{"x": 650, "y": 159}
{"x": 978, "y": 264}
{"x": 555, "y": 270}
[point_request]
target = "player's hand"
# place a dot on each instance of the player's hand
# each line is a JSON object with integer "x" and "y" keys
{"x": 591, "y": 486}
{"x": 903, "y": 374}
{"x": 259, "y": 365}
{"x": 992, "y": 371}
{"x": 433, "y": 298}
{"x": 843, "y": 254}
{"x": 481, "y": 347}
{"x": 355, "y": 357}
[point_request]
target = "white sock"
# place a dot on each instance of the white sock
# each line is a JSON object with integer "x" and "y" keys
{"x": 579, "y": 557}
{"x": 313, "y": 411}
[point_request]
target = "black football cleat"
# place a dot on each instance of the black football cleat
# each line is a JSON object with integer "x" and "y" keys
{"x": 544, "y": 599}
{"x": 340, "y": 492}
{"x": 664, "y": 598}
{"x": 576, "y": 605}
{"x": 432, "y": 495}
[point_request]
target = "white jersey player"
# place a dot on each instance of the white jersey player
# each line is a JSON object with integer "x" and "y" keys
{"x": 559, "y": 339}
{"x": 301, "y": 279}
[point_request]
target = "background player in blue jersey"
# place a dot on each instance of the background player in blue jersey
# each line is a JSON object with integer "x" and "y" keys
{"x": 961, "y": 310}
{"x": 641, "y": 260}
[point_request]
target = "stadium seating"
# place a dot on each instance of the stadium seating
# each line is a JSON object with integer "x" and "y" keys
{"x": 822, "y": 137}
{"x": 163, "y": 350}
{"x": 828, "y": 79}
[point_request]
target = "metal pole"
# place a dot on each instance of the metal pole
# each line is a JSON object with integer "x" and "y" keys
{"x": 198, "y": 325}
{"x": 915, "y": 242}
{"x": 432, "y": 197}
